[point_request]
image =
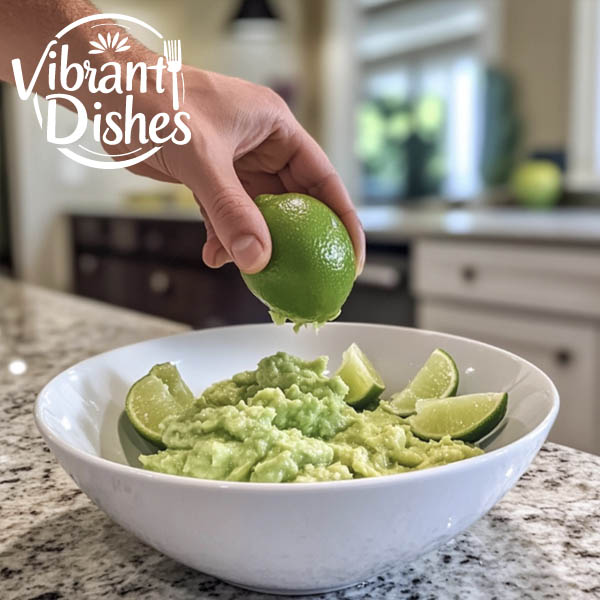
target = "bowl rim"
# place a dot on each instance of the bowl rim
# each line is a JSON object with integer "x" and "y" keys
{"x": 285, "y": 487}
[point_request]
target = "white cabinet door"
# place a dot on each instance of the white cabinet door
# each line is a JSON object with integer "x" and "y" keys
{"x": 567, "y": 350}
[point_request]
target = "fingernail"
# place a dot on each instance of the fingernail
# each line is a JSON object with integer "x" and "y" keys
{"x": 221, "y": 257}
{"x": 247, "y": 253}
{"x": 360, "y": 266}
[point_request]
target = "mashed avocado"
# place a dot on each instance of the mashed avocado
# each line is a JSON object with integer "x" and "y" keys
{"x": 288, "y": 422}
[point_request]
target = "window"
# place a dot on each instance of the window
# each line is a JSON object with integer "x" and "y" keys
{"x": 419, "y": 122}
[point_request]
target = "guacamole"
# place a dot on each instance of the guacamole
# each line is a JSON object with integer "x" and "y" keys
{"x": 287, "y": 421}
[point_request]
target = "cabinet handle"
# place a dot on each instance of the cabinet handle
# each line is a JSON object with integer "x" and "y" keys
{"x": 159, "y": 282}
{"x": 123, "y": 236}
{"x": 469, "y": 273}
{"x": 88, "y": 264}
{"x": 563, "y": 357}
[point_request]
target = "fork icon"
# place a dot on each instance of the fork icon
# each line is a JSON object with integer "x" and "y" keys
{"x": 172, "y": 52}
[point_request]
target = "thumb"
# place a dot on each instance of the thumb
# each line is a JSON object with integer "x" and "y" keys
{"x": 236, "y": 220}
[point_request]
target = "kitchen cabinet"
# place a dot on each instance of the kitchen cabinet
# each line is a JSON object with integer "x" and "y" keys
{"x": 562, "y": 280}
{"x": 155, "y": 266}
{"x": 541, "y": 302}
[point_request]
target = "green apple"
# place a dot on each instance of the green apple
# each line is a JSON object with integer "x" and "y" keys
{"x": 537, "y": 183}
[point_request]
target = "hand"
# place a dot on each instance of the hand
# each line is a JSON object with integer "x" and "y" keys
{"x": 245, "y": 142}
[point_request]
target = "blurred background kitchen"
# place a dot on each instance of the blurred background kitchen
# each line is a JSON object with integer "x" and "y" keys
{"x": 467, "y": 131}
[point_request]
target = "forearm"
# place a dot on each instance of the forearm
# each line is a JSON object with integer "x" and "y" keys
{"x": 27, "y": 26}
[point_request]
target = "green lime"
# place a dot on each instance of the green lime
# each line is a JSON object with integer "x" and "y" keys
{"x": 312, "y": 266}
{"x": 467, "y": 418}
{"x": 363, "y": 381}
{"x": 437, "y": 378}
{"x": 537, "y": 183}
{"x": 154, "y": 397}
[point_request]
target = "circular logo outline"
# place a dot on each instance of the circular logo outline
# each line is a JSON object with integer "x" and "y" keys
{"x": 84, "y": 160}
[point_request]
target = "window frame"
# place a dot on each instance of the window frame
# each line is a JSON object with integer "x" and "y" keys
{"x": 583, "y": 167}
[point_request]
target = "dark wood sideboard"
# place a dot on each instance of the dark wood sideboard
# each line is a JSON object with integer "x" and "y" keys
{"x": 154, "y": 265}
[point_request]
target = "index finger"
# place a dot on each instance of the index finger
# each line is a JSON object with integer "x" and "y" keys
{"x": 310, "y": 169}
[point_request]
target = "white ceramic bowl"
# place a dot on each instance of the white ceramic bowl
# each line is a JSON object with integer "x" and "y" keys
{"x": 290, "y": 538}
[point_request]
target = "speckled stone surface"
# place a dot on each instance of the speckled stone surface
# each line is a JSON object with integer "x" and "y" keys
{"x": 541, "y": 541}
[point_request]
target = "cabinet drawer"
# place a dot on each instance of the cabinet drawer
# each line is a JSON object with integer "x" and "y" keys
{"x": 542, "y": 278}
{"x": 179, "y": 240}
{"x": 566, "y": 350}
{"x": 199, "y": 296}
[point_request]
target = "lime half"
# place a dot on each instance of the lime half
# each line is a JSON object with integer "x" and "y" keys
{"x": 360, "y": 376}
{"x": 467, "y": 418}
{"x": 154, "y": 397}
{"x": 437, "y": 378}
{"x": 312, "y": 267}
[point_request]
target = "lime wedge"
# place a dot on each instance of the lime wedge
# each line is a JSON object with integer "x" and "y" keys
{"x": 466, "y": 418}
{"x": 154, "y": 397}
{"x": 437, "y": 378}
{"x": 360, "y": 376}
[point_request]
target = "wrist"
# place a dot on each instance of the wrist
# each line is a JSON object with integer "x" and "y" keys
{"x": 114, "y": 73}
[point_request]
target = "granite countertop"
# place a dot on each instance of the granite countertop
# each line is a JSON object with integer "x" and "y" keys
{"x": 391, "y": 225}
{"x": 541, "y": 541}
